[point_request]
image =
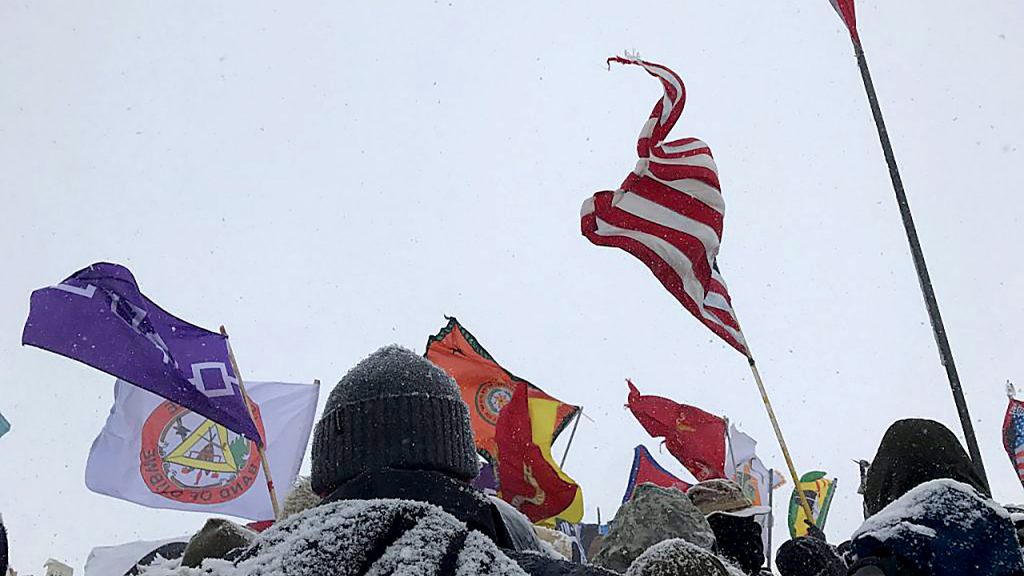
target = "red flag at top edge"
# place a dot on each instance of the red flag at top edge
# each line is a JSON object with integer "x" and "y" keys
{"x": 646, "y": 470}
{"x": 526, "y": 479}
{"x": 845, "y": 10}
{"x": 695, "y": 437}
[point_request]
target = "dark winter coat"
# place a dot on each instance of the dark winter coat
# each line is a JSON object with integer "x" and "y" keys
{"x": 524, "y": 537}
{"x": 538, "y": 565}
{"x": 409, "y": 505}
{"x": 465, "y": 503}
{"x": 381, "y": 537}
{"x": 806, "y": 556}
{"x": 738, "y": 539}
{"x": 940, "y": 528}
{"x": 468, "y": 505}
{"x": 912, "y": 452}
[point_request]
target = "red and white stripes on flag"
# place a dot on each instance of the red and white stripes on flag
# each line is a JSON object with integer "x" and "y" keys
{"x": 669, "y": 213}
{"x": 845, "y": 10}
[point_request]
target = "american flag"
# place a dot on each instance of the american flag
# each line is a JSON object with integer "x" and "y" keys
{"x": 669, "y": 213}
{"x": 1013, "y": 435}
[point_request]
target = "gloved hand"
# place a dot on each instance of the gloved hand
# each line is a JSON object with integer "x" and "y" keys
{"x": 813, "y": 531}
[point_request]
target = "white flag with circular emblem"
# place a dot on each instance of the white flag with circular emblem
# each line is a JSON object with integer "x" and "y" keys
{"x": 158, "y": 454}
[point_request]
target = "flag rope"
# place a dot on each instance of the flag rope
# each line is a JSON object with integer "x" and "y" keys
{"x": 260, "y": 446}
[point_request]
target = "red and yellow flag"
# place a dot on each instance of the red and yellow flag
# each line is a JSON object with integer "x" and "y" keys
{"x": 528, "y": 477}
{"x": 487, "y": 387}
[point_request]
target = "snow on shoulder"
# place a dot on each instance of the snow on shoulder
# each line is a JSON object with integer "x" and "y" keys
{"x": 954, "y": 504}
{"x": 353, "y": 537}
{"x": 942, "y": 528}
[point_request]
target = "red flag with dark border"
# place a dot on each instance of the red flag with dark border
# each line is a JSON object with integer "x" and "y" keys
{"x": 646, "y": 470}
{"x": 695, "y": 437}
{"x": 485, "y": 386}
{"x": 526, "y": 479}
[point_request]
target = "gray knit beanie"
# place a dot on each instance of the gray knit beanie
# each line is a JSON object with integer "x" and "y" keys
{"x": 395, "y": 409}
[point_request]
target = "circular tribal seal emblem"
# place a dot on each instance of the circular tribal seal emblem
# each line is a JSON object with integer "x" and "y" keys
{"x": 491, "y": 397}
{"x": 188, "y": 458}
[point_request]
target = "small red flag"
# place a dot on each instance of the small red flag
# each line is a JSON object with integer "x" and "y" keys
{"x": 526, "y": 479}
{"x": 845, "y": 10}
{"x": 695, "y": 437}
{"x": 646, "y": 470}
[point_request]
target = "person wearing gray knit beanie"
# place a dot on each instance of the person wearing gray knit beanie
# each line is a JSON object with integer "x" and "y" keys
{"x": 394, "y": 410}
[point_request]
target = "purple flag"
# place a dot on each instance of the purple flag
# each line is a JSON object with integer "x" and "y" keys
{"x": 99, "y": 317}
{"x": 486, "y": 481}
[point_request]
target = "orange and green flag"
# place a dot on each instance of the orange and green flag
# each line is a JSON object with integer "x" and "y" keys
{"x": 487, "y": 387}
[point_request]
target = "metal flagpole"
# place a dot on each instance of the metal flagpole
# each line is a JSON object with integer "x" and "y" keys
{"x": 771, "y": 512}
{"x": 259, "y": 446}
{"x": 939, "y": 330}
{"x": 732, "y": 453}
{"x": 572, "y": 435}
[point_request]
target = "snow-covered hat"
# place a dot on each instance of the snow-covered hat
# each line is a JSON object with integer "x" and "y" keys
{"x": 721, "y": 496}
{"x": 395, "y": 409}
{"x": 677, "y": 557}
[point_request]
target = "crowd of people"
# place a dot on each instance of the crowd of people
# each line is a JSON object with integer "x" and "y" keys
{"x": 390, "y": 493}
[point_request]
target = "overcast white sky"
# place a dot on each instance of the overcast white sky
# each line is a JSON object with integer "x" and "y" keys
{"x": 326, "y": 178}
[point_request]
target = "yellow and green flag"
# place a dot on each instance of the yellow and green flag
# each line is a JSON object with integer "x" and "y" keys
{"x": 819, "y": 491}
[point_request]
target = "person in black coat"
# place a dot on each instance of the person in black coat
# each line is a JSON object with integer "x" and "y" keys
{"x": 732, "y": 518}
{"x": 809, "y": 556}
{"x": 396, "y": 427}
{"x": 930, "y": 513}
{"x": 914, "y": 451}
{"x": 393, "y": 455}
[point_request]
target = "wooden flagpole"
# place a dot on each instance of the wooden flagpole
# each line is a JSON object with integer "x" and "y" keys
{"x": 259, "y": 446}
{"x": 572, "y": 435}
{"x": 782, "y": 441}
{"x": 932, "y": 305}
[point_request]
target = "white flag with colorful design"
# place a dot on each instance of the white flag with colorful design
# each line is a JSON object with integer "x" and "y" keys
{"x": 161, "y": 455}
{"x": 746, "y": 469}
